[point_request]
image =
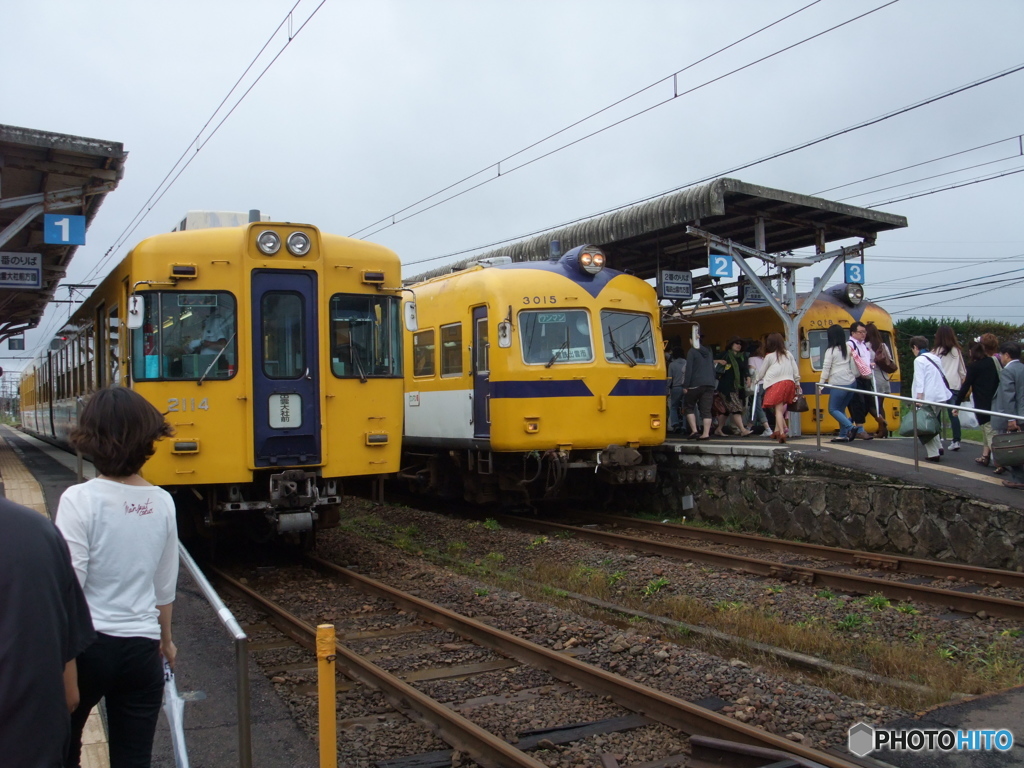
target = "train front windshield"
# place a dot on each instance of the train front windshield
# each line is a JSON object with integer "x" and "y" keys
{"x": 186, "y": 336}
{"x": 627, "y": 338}
{"x": 366, "y": 336}
{"x": 556, "y": 337}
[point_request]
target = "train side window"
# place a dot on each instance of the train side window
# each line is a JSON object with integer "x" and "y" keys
{"x": 483, "y": 350}
{"x": 556, "y": 337}
{"x": 114, "y": 346}
{"x": 627, "y": 337}
{"x": 101, "y": 347}
{"x": 423, "y": 353}
{"x": 451, "y": 350}
{"x": 186, "y": 336}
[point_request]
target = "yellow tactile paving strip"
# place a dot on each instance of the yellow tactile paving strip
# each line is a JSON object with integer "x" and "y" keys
{"x": 20, "y": 487}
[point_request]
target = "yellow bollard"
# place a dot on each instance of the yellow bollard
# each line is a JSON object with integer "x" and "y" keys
{"x": 325, "y": 655}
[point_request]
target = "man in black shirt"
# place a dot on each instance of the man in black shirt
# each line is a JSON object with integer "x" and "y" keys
{"x": 44, "y": 625}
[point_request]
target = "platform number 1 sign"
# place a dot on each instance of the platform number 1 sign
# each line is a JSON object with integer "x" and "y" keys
{"x": 719, "y": 265}
{"x": 854, "y": 273}
{"x": 61, "y": 229}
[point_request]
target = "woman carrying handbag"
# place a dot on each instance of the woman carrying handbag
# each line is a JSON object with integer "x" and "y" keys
{"x": 951, "y": 358}
{"x": 837, "y": 368}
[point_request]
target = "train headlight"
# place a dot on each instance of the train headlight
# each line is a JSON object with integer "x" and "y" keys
{"x": 269, "y": 242}
{"x": 655, "y": 422}
{"x": 531, "y": 425}
{"x": 854, "y": 294}
{"x": 298, "y": 244}
{"x": 592, "y": 262}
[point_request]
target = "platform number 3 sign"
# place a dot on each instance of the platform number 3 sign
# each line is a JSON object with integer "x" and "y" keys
{"x": 854, "y": 273}
{"x": 61, "y": 229}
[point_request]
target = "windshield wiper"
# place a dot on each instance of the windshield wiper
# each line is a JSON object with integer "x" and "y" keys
{"x": 358, "y": 364}
{"x": 564, "y": 345}
{"x": 619, "y": 352}
{"x": 214, "y": 362}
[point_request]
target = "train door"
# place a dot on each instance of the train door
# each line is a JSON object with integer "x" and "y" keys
{"x": 286, "y": 373}
{"x": 481, "y": 375}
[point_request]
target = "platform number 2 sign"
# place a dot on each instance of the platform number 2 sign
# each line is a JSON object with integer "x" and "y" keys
{"x": 854, "y": 273}
{"x": 719, "y": 265}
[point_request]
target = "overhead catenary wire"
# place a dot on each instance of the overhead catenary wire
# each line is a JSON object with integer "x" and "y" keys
{"x": 199, "y": 142}
{"x": 393, "y": 218}
{"x": 850, "y": 129}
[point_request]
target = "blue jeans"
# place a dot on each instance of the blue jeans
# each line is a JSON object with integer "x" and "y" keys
{"x": 838, "y": 401}
{"x": 675, "y": 419}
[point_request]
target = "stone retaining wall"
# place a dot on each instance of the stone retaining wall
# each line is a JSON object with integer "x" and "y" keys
{"x": 800, "y": 498}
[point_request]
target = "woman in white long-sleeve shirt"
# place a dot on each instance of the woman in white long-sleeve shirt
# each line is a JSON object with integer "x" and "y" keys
{"x": 781, "y": 377}
{"x": 928, "y": 385}
{"x": 123, "y": 540}
{"x": 951, "y": 359}
{"x": 837, "y": 368}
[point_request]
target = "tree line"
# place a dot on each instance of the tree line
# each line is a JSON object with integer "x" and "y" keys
{"x": 966, "y": 331}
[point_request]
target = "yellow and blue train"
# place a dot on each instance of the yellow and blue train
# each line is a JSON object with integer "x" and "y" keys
{"x": 273, "y": 348}
{"x": 525, "y": 381}
{"x": 839, "y": 305}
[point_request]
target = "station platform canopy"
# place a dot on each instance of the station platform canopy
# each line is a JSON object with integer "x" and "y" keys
{"x": 652, "y": 236}
{"x": 40, "y": 173}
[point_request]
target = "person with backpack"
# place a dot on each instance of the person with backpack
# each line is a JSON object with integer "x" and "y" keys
{"x": 863, "y": 359}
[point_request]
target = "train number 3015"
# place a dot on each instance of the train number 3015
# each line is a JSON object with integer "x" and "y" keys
{"x": 174, "y": 405}
{"x": 539, "y": 300}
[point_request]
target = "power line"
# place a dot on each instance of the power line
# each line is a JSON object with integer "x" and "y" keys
{"x": 1018, "y": 137}
{"x": 766, "y": 158}
{"x": 164, "y": 184}
{"x": 588, "y": 117}
{"x": 929, "y": 178}
{"x": 394, "y": 217}
{"x": 947, "y": 301}
{"x": 979, "y": 180}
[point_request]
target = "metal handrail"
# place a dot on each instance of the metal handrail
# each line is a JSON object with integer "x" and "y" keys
{"x": 241, "y": 655}
{"x": 915, "y": 403}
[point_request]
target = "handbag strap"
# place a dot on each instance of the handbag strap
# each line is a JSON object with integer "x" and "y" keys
{"x": 939, "y": 369}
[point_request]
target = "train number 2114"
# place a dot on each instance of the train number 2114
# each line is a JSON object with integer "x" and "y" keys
{"x": 174, "y": 405}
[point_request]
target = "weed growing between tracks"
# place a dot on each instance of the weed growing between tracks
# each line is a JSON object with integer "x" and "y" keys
{"x": 857, "y": 632}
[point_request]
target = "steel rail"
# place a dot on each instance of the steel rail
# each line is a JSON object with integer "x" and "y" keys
{"x": 484, "y": 747}
{"x": 884, "y": 561}
{"x": 994, "y": 606}
{"x": 665, "y": 709}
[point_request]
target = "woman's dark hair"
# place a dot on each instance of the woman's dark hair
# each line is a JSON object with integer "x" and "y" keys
{"x": 837, "y": 338}
{"x": 734, "y": 340}
{"x": 945, "y": 340}
{"x": 977, "y": 352}
{"x": 117, "y": 430}
{"x": 754, "y": 349}
{"x": 775, "y": 343}
{"x": 920, "y": 342}
{"x": 874, "y": 337}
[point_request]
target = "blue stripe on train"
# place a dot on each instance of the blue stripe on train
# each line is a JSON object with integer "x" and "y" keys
{"x": 640, "y": 388}
{"x": 559, "y": 388}
{"x": 807, "y": 388}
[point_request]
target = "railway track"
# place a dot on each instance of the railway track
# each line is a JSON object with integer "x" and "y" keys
{"x": 804, "y": 574}
{"x": 712, "y": 737}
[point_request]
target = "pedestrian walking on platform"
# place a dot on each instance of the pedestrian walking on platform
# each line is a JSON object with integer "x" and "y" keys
{"x": 1010, "y": 399}
{"x": 929, "y": 385}
{"x": 863, "y": 404}
{"x": 124, "y": 547}
{"x": 44, "y": 625}
{"x": 781, "y": 378}
{"x": 881, "y": 356}
{"x": 981, "y": 383}
{"x": 951, "y": 356}
{"x": 837, "y": 368}
{"x": 699, "y": 389}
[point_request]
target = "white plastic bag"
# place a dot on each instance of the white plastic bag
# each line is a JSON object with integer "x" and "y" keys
{"x": 969, "y": 420}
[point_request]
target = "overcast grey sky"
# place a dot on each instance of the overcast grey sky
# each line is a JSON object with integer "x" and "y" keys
{"x": 375, "y": 105}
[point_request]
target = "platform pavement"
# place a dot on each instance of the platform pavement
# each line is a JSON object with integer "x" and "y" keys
{"x": 206, "y": 657}
{"x": 957, "y": 472}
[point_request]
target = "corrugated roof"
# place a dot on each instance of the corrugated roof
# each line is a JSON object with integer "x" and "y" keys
{"x": 652, "y": 235}
{"x": 40, "y": 167}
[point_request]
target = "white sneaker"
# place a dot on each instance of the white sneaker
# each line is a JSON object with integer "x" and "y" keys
{"x": 767, "y": 432}
{"x": 955, "y": 445}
